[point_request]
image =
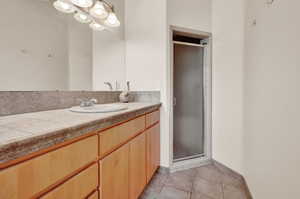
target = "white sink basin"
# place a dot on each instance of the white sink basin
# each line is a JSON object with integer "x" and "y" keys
{"x": 99, "y": 108}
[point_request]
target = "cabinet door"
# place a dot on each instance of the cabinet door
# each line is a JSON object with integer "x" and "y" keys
{"x": 114, "y": 180}
{"x": 153, "y": 150}
{"x": 137, "y": 166}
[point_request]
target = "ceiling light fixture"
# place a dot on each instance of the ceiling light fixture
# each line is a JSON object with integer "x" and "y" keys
{"x": 99, "y": 13}
{"x": 82, "y": 17}
{"x": 83, "y": 3}
{"x": 99, "y": 10}
{"x": 112, "y": 20}
{"x": 64, "y": 6}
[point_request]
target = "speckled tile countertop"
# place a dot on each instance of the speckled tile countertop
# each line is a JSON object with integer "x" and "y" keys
{"x": 26, "y": 133}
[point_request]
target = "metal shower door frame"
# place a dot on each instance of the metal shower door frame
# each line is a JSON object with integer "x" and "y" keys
{"x": 207, "y": 82}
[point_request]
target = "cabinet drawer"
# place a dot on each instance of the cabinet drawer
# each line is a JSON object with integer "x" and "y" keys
{"x": 78, "y": 187}
{"x": 33, "y": 176}
{"x": 116, "y": 136}
{"x": 152, "y": 118}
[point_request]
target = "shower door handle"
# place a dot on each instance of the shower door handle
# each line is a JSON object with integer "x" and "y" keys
{"x": 174, "y": 101}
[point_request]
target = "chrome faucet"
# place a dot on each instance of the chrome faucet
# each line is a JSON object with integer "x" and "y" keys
{"x": 88, "y": 102}
{"x": 109, "y": 85}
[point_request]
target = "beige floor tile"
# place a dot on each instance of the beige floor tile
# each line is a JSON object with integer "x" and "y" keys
{"x": 233, "y": 181}
{"x": 231, "y": 192}
{"x": 172, "y": 193}
{"x": 157, "y": 183}
{"x": 207, "y": 182}
{"x": 196, "y": 195}
{"x": 213, "y": 190}
{"x": 182, "y": 180}
{"x": 209, "y": 173}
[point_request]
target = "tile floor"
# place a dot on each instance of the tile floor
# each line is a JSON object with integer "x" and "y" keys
{"x": 206, "y": 182}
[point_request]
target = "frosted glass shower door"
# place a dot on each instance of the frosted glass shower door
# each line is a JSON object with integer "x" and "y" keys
{"x": 188, "y": 102}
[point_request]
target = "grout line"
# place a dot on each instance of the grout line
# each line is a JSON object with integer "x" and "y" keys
{"x": 223, "y": 195}
{"x": 192, "y": 187}
{"x": 194, "y": 179}
{"x": 179, "y": 189}
{"x": 173, "y": 187}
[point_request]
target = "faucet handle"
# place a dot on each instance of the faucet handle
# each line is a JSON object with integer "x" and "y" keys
{"x": 87, "y": 102}
{"x": 94, "y": 100}
{"x": 82, "y": 102}
{"x": 128, "y": 85}
{"x": 109, "y": 85}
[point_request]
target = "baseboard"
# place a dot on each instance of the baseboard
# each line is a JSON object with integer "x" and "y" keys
{"x": 248, "y": 193}
{"x": 227, "y": 170}
{"x": 163, "y": 170}
{"x": 235, "y": 174}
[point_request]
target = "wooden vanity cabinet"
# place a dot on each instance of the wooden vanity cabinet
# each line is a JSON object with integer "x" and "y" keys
{"x": 126, "y": 171}
{"x": 116, "y": 163}
{"x": 153, "y": 143}
{"x": 153, "y": 150}
{"x": 137, "y": 166}
{"x": 77, "y": 187}
{"x": 29, "y": 178}
{"x": 115, "y": 137}
{"x": 95, "y": 195}
{"x": 114, "y": 180}
{"x": 152, "y": 118}
{"x": 123, "y": 172}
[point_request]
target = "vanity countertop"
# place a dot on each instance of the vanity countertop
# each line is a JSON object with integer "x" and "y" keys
{"x": 30, "y": 132}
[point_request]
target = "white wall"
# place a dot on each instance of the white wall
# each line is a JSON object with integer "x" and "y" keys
{"x": 80, "y": 51}
{"x": 145, "y": 43}
{"x": 146, "y": 54}
{"x": 272, "y": 100}
{"x": 225, "y": 19}
{"x": 228, "y": 64}
{"x": 193, "y": 14}
{"x": 28, "y": 60}
{"x": 109, "y": 53}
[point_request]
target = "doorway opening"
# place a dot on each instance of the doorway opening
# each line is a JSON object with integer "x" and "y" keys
{"x": 190, "y": 97}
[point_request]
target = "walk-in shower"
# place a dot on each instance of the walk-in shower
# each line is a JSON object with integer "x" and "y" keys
{"x": 191, "y": 96}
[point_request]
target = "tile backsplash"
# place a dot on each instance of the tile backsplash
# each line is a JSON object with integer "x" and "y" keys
{"x": 17, "y": 102}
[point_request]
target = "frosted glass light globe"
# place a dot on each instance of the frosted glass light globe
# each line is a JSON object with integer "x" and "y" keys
{"x": 112, "y": 20}
{"x": 82, "y": 18}
{"x": 99, "y": 10}
{"x": 64, "y": 6}
{"x": 83, "y": 3}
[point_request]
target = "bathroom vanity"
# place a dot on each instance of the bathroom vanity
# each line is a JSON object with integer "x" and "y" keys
{"x": 107, "y": 156}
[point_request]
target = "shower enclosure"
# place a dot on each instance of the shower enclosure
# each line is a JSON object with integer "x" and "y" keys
{"x": 190, "y": 91}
